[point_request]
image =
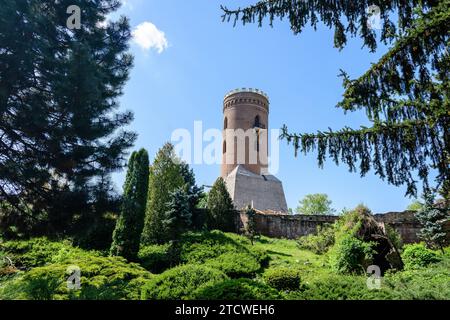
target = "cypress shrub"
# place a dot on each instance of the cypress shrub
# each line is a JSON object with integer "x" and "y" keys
{"x": 126, "y": 237}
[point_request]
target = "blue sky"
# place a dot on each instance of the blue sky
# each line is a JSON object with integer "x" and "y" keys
{"x": 192, "y": 59}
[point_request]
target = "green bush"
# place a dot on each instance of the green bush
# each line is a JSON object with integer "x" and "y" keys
{"x": 39, "y": 252}
{"x": 283, "y": 279}
{"x": 394, "y": 237}
{"x": 320, "y": 242}
{"x": 180, "y": 282}
{"x": 351, "y": 255}
{"x": 155, "y": 258}
{"x": 431, "y": 283}
{"x": 198, "y": 248}
{"x": 340, "y": 287}
{"x": 235, "y": 264}
{"x": 416, "y": 256}
{"x": 102, "y": 278}
{"x": 237, "y": 289}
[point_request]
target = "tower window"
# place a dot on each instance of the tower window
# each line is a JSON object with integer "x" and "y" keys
{"x": 257, "y": 142}
{"x": 257, "y": 122}
{"x": 224, "y": 147}
{"x": 225, "y": 123}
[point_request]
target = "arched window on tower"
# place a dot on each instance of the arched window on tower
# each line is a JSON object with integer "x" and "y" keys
{"x": 225, "y": 123}
{"x": 224, "y": 147}
{"x": 257, "y": 122}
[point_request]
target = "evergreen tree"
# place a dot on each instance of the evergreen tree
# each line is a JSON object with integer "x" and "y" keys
{"x": 221, "y": 212}
{"x": 127, "y": 235}
{"x": 203, "y": 201}
{"x": 250, "y": 227}
{"x": 404, "y": 94}
{"x": 165, "y": 177}
{"x": 194, "y": 196}
{"x": 432, "y": 217}
{"x": 182, "y": 211}
{"x": 59, "y": 132}
{"x": 178, "y": 218}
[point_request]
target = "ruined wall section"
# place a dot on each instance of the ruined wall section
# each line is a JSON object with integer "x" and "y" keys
{"x": 295, "y": 226}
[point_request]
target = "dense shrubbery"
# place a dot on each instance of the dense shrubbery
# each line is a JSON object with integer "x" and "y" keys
{"x": 216, "y": 265}
{"x": 338, "y": 287}
{"x": 180, "y": 282}
{"x": 417, "y": 256}
{"x": 230, "y": 253}
{"x": 236, "y": 264}
{"x": 201, "y": 247}
{"x": 46, "y": 264}
{"x": 351, "y": 255}
{"x": 283, "y": 279}
{"x": 431, "y": 283}
{"x": 394, "y": 237}
{"x": 104, "y": 278}
{"x": 39, "y": 252}
{"x": 155, "y": 258}
{"x": 421, "y": 284}
{"x": 360, "y": 241}
{"x": 237, "y": 289}
{"x": 320, "y": 242}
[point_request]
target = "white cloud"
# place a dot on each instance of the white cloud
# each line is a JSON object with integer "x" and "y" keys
{"x": 147, "y": 36}
{"x": 127, "y": 4}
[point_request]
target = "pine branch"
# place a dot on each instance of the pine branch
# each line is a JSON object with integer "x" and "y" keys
{"x": 394, "y": 150}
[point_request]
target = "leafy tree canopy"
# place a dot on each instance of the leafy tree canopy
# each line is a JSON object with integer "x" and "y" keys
{"x": 313, "y": 204}
{"x": 415, "y": 206}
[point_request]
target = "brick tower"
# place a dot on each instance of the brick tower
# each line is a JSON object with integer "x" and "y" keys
{"x": 246, "y": 119}
{"x": 245, "y": 152}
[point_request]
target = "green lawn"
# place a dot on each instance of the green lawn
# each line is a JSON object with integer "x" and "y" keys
{"x": 286, "y": 253}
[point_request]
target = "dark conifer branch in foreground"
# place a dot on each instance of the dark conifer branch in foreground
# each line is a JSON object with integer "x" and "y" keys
{"x": 404, "y": 94}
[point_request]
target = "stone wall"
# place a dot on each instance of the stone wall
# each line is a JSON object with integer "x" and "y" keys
{"x": 294, "y": 226}
{"x": 403, "y": 222}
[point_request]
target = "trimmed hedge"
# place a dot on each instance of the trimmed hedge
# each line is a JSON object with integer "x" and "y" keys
{"x": 179, "y": 283}
{"x": 416, "y": 256}
{"x": 283, "y": 279}
{"x": 235, "y": 265}
{"x": 155, "y": 258}
{"x": 102, "y": 278}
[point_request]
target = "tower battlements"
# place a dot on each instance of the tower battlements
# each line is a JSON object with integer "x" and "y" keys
{"x": 246, "y": 90}
{"x": 248, "y": 97}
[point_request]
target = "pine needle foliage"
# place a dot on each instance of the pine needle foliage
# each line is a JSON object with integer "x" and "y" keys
{"x": 405, "y": 94}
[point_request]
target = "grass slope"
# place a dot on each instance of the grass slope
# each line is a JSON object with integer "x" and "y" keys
{"x": 218, "y": 265}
